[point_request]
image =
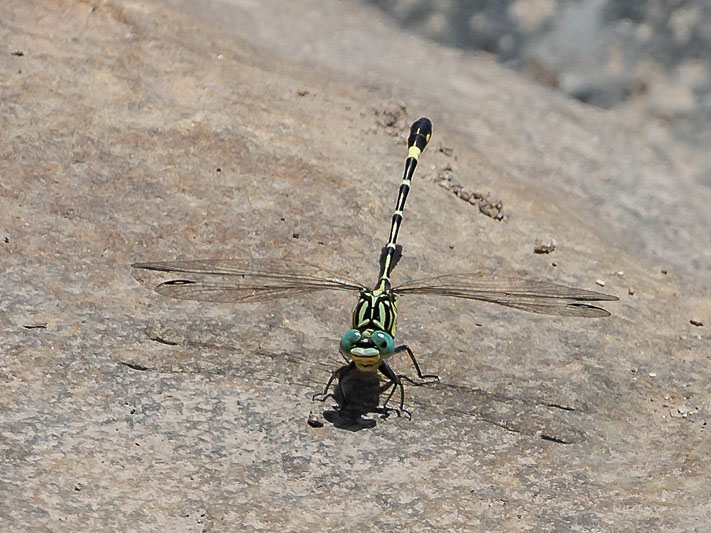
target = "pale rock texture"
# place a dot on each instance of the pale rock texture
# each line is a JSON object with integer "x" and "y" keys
{"x": 148, "y": 130}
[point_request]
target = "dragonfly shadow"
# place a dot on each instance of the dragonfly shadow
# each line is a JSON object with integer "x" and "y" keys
{"x": 357, "y": 395}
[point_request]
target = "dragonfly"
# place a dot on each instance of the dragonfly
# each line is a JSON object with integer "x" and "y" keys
{"x": 369, "y": 343}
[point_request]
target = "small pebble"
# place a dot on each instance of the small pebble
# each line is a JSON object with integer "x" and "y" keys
{"x": 314, "y": 421}
{"x": 630, "y": 291}
{"x": 600, "y": 282}
{"x": 696, "y": 323}
{"x": 539, "y": 247}
{"x": 652, "y": 374}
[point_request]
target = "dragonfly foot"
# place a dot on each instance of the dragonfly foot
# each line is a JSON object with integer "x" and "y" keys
{"x": 427, "y": 379}
{"x": 402, "y": 411}
{"x": 321, "y": 396}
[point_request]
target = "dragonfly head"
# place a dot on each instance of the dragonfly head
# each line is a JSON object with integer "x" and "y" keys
{"x": 367, "y": 349}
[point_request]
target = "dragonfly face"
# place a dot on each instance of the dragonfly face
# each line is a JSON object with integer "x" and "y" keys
{"x": 374, "y": 322}
{"x": 367, "y": 349}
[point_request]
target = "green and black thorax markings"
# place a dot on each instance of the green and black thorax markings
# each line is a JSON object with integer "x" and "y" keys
{"x": 375, "y": 310}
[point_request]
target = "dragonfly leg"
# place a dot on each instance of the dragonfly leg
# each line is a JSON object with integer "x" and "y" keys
{"x": 433, "y": 377}
{"x": 323, "y": 396}
{"x": 395, "y": 383}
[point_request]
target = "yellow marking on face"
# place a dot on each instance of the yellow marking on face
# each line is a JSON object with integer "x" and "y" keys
{"x": 367, "y": 365}
{"x": 366, "y": 358}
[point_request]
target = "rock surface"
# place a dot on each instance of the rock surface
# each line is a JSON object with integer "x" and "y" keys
{"x": 146, "y": 130}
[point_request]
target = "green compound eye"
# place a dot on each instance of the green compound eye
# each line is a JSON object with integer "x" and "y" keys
{"x": 384, "y": 342}
{"x": 349, "y": 339}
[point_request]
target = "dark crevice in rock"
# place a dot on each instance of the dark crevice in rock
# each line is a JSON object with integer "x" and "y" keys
{"x": 163, "y": 341}
{"x": 554, "y": 439}
{"x": 563, "y": 407}
{"x": 134, "y": 366}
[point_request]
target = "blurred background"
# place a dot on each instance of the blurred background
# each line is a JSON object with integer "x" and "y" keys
{"x": 647, "y": 59}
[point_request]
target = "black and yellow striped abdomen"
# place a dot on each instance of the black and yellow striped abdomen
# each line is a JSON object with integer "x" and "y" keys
{"x": 420, "y": 133}
{"x": 376, "y": 310}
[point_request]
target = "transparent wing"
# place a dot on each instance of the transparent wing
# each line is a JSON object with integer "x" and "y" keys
{"x": 238, "y": 280}
{"x": 527, "y": 295}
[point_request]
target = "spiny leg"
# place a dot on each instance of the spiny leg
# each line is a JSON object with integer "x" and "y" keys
{"x": 433, "y": 377}
{"x": 323, "y": 396}
{"x": 396, "y": 383}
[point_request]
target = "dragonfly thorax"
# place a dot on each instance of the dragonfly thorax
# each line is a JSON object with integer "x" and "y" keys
{"x": 375, "y": 311}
